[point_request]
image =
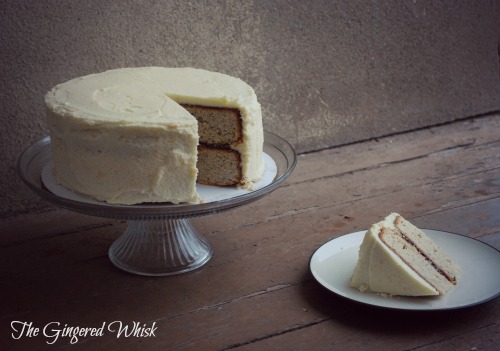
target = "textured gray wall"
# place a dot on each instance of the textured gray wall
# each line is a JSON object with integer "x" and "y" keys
{"x": 325, "y": 72}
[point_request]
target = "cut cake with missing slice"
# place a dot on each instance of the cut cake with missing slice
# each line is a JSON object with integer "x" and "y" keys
{"x": 397, "y": 258}
{"x": 148, "y": 134}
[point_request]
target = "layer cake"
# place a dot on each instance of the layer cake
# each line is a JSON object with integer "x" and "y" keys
{"x": 147, "y": 134}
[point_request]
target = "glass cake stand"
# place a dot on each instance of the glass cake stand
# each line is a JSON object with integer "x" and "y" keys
{"x": 159, "y": 239}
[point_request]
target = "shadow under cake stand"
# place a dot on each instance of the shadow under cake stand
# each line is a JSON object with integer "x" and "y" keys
{"x": 159, "y": 239}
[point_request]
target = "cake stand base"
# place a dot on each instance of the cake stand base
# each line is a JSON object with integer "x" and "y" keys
{"x": 160, "y": 247}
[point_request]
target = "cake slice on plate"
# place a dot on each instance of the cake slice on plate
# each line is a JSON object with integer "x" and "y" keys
{"x": 397, "y": 258}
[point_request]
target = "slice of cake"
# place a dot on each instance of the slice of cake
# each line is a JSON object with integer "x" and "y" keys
{"x": 397, "y": 258}
{"x": 147, "y": 134}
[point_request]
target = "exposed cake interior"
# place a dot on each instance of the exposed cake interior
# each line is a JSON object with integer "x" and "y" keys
{"x": 220, "y": 131}
{"x": 421, "y": 244}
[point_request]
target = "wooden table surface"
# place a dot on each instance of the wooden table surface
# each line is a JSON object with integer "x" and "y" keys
{"x": 256, "y": 293}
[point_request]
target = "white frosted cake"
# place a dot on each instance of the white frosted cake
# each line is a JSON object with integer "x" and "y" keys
{"x": 397, "y": 258}
{"x": 135, "y": 135}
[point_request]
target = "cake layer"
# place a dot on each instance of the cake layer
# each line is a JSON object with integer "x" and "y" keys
{"x": 218, "y": 166}
{"x": 217, "y": 126}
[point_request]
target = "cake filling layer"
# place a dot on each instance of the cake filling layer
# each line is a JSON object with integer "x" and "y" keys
{"x": 428, "y": 247}
{"x": 413, "y": 257}
{"x": 452, "y": 280}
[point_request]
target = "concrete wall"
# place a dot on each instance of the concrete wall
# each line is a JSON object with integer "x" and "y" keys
{"x": 326, "y": 72}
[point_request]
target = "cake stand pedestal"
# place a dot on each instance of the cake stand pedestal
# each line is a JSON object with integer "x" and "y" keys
{"x": 160, "y": 247}
{"x": 160, "y": 239}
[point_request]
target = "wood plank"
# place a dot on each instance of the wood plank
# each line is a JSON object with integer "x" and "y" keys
{"x": 398, "y": 148}
{"x": 297, "y": 315}
{"x": 351, "y": 327}
{"x": 46, "y": 223}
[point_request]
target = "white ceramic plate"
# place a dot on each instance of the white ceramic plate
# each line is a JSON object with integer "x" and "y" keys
{"x": 208, "y": 193}
{"x": 333, "y": 263}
